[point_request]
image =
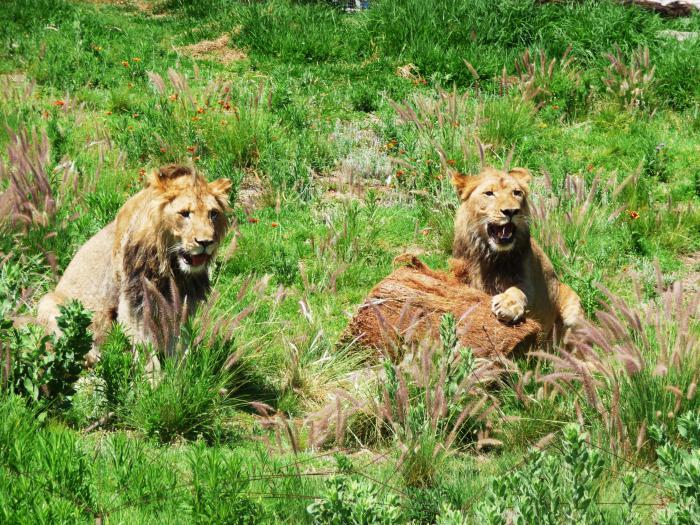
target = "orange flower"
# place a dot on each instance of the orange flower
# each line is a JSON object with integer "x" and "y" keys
{"x": 451, "y": 162}
{"x": 425, "y": 231}
{"x": 399, "y": 172}
{"x": 200, "y": 110}
{"x": 59, "y": 103}
{"x": 555, "y": 106}
{"x": 136, "y": 59}
{"x": 252, "y": 220}
{"x": 135, "y": 115}
{"x": 274, "y": 225}
{"x": 173, "y": 96}
{"x": 227, "y": 106}
{"x": 633, "y": 214}
{"x": 163, "y": 150}
{"x": 108, "y": 112}
{"x": 125, "y": 63}
{"x": 195, "y": 119}
{"x": 191, "y": 149}
{"x": 197, "y": 158}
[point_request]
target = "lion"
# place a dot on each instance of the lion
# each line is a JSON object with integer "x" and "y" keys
{"x": 165, "y": 235}
{"x": 494, "y": 252}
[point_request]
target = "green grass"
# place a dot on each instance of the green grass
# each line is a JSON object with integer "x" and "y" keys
{"x": 316, "y": 97}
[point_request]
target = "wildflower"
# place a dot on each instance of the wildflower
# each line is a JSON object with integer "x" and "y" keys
{"x": 191, "y": 149}
{"x": 108, "y": 112}
{"x": 633, "y": 214}
{"x": 252, "y": 220}
{"x": 135, "y": 115}
{"x": 451, "y": 162}
{"x": 59, "y": 103}
{"x": 125, "y": 63}
{"x": 227, "y": 106}
{"x": 136, "y": 59}
{"x": 173, "y": 96}
{"x": 197, "y": 158}
{"x": 425, "y": 231}
{"x": 195, "y": 119}
{"x": 163, "y": 150}
{"x": 200, "y": 110}
{"x": 399, "y": 172}
{"x": 274, "y": 225}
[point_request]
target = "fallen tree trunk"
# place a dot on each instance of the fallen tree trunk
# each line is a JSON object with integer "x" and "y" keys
{"x": 408, "y": 305}
{"x": 669, "y": 8}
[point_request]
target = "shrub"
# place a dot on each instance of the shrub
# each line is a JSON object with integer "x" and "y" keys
{"x": 48, "y": 366}
{"x": 550, "y": 489}
{"x": 353, "y": 500}
{"x": 679, "y": 461}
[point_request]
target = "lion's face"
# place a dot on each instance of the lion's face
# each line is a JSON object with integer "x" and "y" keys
{"x": 494, "y": 212}
{"x": 193, "y": 219}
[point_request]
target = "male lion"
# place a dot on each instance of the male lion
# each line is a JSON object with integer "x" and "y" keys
{"x": 493, "y": 252}
{"x": 167, "y": 233}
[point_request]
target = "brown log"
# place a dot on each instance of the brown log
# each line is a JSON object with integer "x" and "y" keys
{"x": 668, "y": 8}
{"x": 408, "y": 305}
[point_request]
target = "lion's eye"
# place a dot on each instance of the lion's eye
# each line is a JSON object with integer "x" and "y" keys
{"x": 213, "y": 214}
{"x": 488, "y": 193}
{"x": 185, "y": 213}
{"x": 517, "y": 193}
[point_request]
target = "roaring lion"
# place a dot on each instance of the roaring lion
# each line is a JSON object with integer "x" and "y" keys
{"x": 494, "y": 252}
{"x": 168, "y": 233}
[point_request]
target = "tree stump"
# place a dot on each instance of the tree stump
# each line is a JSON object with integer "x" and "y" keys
{"x": 407, "y": 307}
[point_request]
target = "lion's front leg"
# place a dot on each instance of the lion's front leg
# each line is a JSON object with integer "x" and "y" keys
{"x": 510, "y": 305}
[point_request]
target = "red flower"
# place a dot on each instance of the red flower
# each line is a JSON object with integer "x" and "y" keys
{"x": 191, "y": 149}
{"x": 252, "y": 220}
{"x": 633, "y": 214}
{"x": 274, "y": 225}
{"x": 59, "y": 103}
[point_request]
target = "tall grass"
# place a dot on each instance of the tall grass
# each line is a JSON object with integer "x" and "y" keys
{"x": 637, "y": 367}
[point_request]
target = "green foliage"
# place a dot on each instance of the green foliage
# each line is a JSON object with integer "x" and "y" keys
{"x": 353, "y": 500}
{"x": 550, "y": 489}
{"x": 186, "y": 399}
{"x": 679, "y": 461}
{"x": 48, "y": 366}
{"x": 219, "y": 488}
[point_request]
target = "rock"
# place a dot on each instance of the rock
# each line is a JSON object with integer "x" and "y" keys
{"x": 681, "y": 36}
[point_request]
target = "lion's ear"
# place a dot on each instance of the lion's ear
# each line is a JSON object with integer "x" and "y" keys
{"x": 220, "y": 188}
{"x": 522, "y": 175}
{"x": 465, "y": 184}
{"x": 160, "y": 177}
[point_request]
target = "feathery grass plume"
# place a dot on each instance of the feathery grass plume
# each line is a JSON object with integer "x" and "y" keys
{"x": 630, "y": 84}
{"x": 28, "y": 198}
{"x": 638, "y": 365}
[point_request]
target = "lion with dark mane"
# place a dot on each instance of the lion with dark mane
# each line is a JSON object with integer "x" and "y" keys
{"x": 165, "y": 237}
{"x": 494, "y": 252}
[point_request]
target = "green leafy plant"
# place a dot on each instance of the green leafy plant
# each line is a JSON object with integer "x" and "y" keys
{"x": 353, "y": 500}
{"x": 679, "y": 461}
{"x": 48, "y": 366}
{"x": 549, "y": 489}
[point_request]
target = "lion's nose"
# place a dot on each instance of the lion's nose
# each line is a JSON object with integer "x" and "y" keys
{"x": 204, "y": 242}
{"x": 510, "y": 212}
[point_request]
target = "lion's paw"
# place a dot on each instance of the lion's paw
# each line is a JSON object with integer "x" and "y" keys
{"x": 507, "y": 308}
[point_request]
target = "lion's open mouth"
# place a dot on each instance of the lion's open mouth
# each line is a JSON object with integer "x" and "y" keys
{"x": 194, "y": 260}
{"x": 502, "y": 233}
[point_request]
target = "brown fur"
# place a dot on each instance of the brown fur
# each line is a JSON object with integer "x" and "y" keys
{"x": 518, "y": 275}
{"x": 150, "y": 240}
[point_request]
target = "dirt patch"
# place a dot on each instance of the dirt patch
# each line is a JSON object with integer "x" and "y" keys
{"x": 692, "y": 279}
{"x": 217, "y": 50}
{"x": 253, "y": 192}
